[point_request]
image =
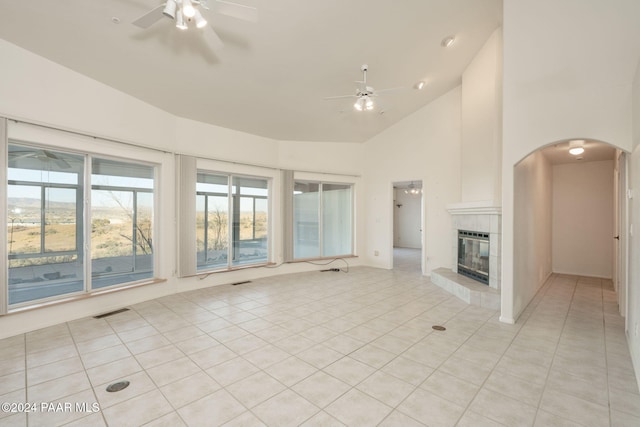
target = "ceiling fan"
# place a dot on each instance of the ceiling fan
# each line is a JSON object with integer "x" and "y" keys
{"x": 41, "y": 155}
{"x": 186, "y": 12}
{"x": 364, "y": 94}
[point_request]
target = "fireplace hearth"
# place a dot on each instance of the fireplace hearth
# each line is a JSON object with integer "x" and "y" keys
{"x": 473, "y": 255}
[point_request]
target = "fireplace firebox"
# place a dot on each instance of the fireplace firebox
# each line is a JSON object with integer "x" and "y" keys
{"x": 473, "y": 255}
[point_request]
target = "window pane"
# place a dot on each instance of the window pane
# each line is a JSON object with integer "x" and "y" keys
{"x": 306, "y": 220}
{"x": 121, "y": 222}
{"x": 336, "y": 220}
{"x": 217, "y": 232}
{"x": 44, "y": 193}
{"x": 111, "y": 233}
{"x": 24, "y": 214}
{"x": 200, "y": 228}
{"x": 60, "y": 216}
{"x": 144, "y": 230}
{"x": 212, "y": 221}
{"x": 248, "y": 248}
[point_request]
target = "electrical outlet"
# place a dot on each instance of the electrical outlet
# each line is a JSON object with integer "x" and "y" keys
{"x": 376, "y": 253}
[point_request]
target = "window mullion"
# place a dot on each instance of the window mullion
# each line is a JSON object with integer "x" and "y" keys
{"x": 43, "y": 218}
{"x": 134, "y": 237}
{"x": 86, "y": 233}
{"x": 230, "y": 214}
{"x": 206, "y": 228}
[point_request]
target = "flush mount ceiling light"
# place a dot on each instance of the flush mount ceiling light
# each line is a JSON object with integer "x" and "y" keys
{"x": 576, "y": 147}
{"x": 447, "y": 41}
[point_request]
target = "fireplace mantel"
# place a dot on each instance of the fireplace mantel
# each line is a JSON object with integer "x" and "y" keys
{"x": 474, "y": 208}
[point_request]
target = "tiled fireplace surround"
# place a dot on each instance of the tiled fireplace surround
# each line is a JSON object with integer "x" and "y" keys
{"x": 479, "y": 217}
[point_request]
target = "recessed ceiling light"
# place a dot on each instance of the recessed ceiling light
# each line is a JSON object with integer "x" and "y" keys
{"x": 420, "y": 85}
{"x": 115, "y": 20}
{"x": 447, "y": 41}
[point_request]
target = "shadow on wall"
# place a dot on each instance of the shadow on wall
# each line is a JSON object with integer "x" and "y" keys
{"x": 564, "y": 213}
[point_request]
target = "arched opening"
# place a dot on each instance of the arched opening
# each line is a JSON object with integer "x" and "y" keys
{"x": 569, "y": 217}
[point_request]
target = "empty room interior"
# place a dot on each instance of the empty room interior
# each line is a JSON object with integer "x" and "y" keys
{"x": 284, "y": 213}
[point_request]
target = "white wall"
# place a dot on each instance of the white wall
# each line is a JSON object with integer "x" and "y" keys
{"x": 482, "y": 124}
{"x": 562, "y": 80}
{"x": 407, "y": 220}
{"x": 424, "y": 146}
{"x": 37, "y": 90}
{"x": 582, "y": 227}
{"x": 533, "y": 218}
{"x": 633, "y": 294}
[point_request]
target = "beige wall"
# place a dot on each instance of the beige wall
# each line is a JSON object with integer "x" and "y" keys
{"x": 482, "y": 124}
{"x": 407, "y": 220}
{"x": 533, "y": 207}
{"x": 583, "y": 218}
{"x": 561, "y": 81}
{"x": 633, "y": 290}
{"x": 425, "y": 147}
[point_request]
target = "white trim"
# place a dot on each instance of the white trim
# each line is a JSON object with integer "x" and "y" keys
{"x": 474, "y": 208}
{"x": 4, "y": 272}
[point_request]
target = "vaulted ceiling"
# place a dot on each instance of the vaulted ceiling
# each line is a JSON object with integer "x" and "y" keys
{"x": 271, "y": 77}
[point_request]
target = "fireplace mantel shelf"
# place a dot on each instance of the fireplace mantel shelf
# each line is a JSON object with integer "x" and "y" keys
{"x": 474, "y": 208}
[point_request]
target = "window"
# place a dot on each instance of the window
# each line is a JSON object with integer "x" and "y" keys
{"x": 121, "y": 222}
{"x": 47, "y": 204}
{"x": 231, "y": 221}
{"x": 322, "y": 217}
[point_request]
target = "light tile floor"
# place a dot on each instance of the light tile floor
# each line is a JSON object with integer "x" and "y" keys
{"x": 331, "y": 349}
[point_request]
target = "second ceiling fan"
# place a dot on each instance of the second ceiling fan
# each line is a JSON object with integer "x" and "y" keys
{"x": 364, "y": 94}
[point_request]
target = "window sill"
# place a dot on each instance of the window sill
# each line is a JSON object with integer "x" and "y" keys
{"x": 84, "y": 296}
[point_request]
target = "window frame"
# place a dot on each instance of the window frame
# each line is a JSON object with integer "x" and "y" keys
{"x": 34, "y": 136}
{"x": 312, "y": 179}
{"x": 230, "y": 212}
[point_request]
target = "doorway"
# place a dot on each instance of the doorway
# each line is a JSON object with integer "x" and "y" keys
{"x": 407, "y": 226}
{"x": 568, "y": 209}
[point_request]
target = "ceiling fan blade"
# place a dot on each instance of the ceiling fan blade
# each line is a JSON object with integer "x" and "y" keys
{"x": 327, "y": 98}
{"x": 212, "y": 38}
{"x": 150, "y": 18}
{"x": 235, "y": 10}
{"x": 14, "y": 155}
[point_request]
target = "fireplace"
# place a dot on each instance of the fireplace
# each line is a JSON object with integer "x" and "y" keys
{"x": 473, "y": 255}
{"x": 480, "y": 221}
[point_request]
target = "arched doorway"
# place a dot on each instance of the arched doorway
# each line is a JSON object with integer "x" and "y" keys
{"x": 568, "y": 210}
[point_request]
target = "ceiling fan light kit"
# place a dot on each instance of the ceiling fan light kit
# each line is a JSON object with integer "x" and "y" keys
{"x": 364, "y": 93}
{"x": 170, "y": 9}
{"x": 185, "y": 11}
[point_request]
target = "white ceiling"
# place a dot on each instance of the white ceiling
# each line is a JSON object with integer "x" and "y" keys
{"x": 594, "y": 151}
{"x": 271, "y": 77}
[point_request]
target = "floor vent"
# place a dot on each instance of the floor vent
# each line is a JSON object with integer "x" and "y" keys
{"x": 111, "y": 313}
{"x": 241, "y": 283}
{"x": 120, "y": 385}
{"x": 438, "y": 328}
